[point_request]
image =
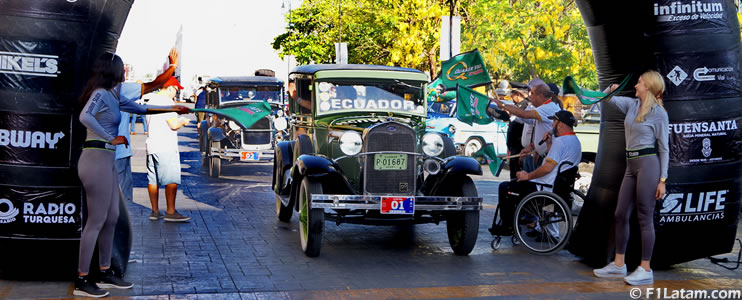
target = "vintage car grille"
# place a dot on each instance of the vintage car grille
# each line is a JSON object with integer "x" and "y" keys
{"x": 390, "y": 137}
{"x": 259, "y": 133}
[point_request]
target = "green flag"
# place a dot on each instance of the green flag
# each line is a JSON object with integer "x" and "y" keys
{"x": 465, "y": 69}
{"x": 488, "y": 153}
{"x": 245, "y": 116}
{"x": 587, "y": 97}
{"x": 471, "y": 106}
{"x": 437, "y": 92}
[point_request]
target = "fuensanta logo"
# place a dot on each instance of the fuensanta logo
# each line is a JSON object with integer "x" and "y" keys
{"x": 7, "y": 215}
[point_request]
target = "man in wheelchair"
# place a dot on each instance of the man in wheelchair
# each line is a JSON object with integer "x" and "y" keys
{"x": 564, "y": 150}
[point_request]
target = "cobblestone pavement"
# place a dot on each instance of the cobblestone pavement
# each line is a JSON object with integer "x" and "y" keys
{"x": 235, "y": 248}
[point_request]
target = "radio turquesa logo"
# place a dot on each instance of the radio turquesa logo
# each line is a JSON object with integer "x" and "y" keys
{"x": 29, "y": 139}
{"x": 7, "y": 214}
{"x": 49, "y": 213}
{"x": 29, "y": 64}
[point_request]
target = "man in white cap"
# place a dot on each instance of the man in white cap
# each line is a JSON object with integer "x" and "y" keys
{"x": 540, "y": 96}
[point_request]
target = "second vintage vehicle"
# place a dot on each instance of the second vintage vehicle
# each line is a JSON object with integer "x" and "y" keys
{"x": 223, "y": 140}
{"x": 360, "y": 154}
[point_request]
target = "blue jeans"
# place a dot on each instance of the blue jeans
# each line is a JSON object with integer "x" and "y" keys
{"x": 134, "y": 122}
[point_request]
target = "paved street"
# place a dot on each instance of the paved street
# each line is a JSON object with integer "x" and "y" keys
{"x": 235, "y": 248}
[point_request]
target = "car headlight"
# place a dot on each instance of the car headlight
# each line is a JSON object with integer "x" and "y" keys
{"x": 451, "y": 129}
{"x": 432, "y": 144}
{"x": 233, "y": 125}
{"x": 350, "y": 143}
{"x": 279, "y": 113}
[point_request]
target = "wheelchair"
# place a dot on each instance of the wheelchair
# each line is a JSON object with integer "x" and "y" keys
{"x": 542, "y": 220}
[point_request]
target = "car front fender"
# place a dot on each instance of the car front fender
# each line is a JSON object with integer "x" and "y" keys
{"x": 216, "y": 134}
{"x": 452, "y": 170}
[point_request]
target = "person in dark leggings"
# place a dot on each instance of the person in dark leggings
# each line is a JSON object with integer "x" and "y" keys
{"x": 101, "y": 115}
{"x": 646, "y": 125}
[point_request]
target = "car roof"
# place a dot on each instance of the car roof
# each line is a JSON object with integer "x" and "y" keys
{"x": 246, "y": 80}
{"x": 311, "y": 69}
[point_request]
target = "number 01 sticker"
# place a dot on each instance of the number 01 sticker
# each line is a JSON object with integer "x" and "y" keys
{"x": 398, "y": 205}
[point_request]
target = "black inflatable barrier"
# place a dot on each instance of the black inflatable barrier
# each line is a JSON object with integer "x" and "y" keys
{"x": 46, "y": 49}
{"x": 695, "y": 45}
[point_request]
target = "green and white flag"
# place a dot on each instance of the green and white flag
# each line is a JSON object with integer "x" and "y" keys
{"x": 437, "y": 92}
{"x": 245, "y": 116}
{"x": 471, "y": 106}
{"x": 494, "y": 162}
{"x": 587, "y": 97}
{"x": 465, "y": 69}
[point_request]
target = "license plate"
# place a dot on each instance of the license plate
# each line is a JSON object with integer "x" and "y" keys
{"x": 385, "y": 161}
{"x": 398, "y": 205}
{"x": 249, "y": 155}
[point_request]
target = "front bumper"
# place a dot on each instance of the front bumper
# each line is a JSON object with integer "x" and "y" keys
{"x": 422, "y": 203}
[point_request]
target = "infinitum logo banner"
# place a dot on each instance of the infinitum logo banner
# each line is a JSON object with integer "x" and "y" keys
{"x": 683, "y": 16}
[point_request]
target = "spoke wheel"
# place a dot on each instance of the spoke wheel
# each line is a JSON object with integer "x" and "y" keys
{"x": 311, "y": 220}
{"x": 463, "y": 226}
{"x": 543, "y": 223}
{"x": 472, "y": 146}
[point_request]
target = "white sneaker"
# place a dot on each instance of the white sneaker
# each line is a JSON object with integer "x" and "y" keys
{"x": 611, "y": 270}
{"x": 640, "y": 277}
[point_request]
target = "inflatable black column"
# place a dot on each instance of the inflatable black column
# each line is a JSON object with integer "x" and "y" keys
{"x": 697, "y": 49}
{"x": 46, "y": 48}
{"x": 694, "y": 44}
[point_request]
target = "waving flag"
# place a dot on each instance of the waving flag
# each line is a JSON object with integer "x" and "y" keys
{"x": 471, "y": 106}
{"x": 437, "y": 92}
{"x": 495, "y": 163}
{"x": 587, "y": 97}
{"x": 465, "y": 69}
{"x": 245, "y": 116}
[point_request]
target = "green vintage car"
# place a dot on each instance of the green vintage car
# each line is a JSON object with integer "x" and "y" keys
{"x": 359, "y": 154}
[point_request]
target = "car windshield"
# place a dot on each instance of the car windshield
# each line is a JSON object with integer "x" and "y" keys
{"x": 376, "y": 95}
{"x": 443, "y": 108}
{"x": 233, "y": 94}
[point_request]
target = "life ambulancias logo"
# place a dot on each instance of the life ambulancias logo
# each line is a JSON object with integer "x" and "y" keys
{"x": 693, "y": 207}
{"x": 8, "y": 214}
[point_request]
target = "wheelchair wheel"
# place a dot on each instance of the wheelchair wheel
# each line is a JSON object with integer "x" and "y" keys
{"x": 543, "y": 223}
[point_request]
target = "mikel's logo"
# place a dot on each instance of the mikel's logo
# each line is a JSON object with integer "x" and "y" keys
{"x": 7, "y": 215}
{"x": 677, "y": 75}
{"x": 706, "y": 151}
{"x": 29, "y": 64}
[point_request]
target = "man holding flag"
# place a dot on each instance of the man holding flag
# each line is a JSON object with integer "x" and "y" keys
{"x": 541, "y": 98}
{"x": 564, "y": 147}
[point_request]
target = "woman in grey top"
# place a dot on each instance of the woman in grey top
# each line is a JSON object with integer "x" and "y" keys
{"x": 646, "y": 125}
{"x": 101, "y": 115}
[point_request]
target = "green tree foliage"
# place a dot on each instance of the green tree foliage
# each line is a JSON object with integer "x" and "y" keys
{"x": 522, "y": 39}
{"x": 518, "y": 39}
{"x": 386, "y": 32}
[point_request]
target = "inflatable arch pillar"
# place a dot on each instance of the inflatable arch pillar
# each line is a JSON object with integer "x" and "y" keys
{"x": 695, "y": 45}
{"x": 46, "y": 49}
